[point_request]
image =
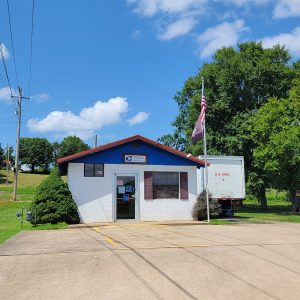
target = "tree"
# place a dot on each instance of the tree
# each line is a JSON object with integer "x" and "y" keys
{"x": 276, "y": 132}
{"x": 36, "y": 152}
{"x": 53, "y": 201}
{"x": 56, "y": 148}
{"x": 237, "y": 83}
{"x": 69, "y": 145}
{"x": 199, "y": 210}
{"x": 168, "y": 140}
{"x": 3, "y": 156}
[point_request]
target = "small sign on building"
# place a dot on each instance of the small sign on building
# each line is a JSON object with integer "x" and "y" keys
{"x": 135, "y": 159}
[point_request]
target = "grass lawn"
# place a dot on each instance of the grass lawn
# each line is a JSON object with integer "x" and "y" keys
{"x": 9, "y": 223}
{"x": 24, "y": 179}
{"x": 278, "y": 211}
{"x": 27, "y": 184}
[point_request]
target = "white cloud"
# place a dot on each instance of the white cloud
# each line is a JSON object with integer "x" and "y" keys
{"x": 286, "y": 8}
{"x": 290, "y": 40}
{"x": 5, "y": 51}
{"x": 151, "y": 7}
{"x": 144, "y": 7}
{"x": 40, "y": 98}
{"x": 5, "y": 94}
{"x": 222, "y": 35}
{"x": 179, "y": 15}
{"x": 63, "y": 123}
{"x": 138, "y": 118}
{"x": 241, "y": 3}
{"x": 178, "y": 28}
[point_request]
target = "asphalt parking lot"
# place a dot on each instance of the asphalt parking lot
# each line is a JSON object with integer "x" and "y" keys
{"x": 151, "y": 261}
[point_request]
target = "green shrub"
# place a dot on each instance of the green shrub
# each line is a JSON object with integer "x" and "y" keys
{"x": 199, "y": 211}
{"x": 53, "y": 201}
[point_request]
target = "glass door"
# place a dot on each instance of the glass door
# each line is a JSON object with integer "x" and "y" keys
{"x": 125, "y": 196}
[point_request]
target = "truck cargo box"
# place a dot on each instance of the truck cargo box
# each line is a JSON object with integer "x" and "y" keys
{"x": 226, "y": 177}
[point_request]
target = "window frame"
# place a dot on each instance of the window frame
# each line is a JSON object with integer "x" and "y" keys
{"x": 178, "y": 176}
{"x": 94, "y": 170}
{"x": 183, "y": 185}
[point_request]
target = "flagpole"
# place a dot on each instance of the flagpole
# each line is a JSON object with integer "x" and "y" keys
{"x": 205, "y": 160}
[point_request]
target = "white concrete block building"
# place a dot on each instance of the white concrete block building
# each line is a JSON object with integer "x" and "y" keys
{"x": 134, "y": 178}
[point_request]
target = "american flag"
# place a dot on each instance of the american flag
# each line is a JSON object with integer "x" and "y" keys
{"x": 198, "y": 129}
{"x": 203, "y": 109}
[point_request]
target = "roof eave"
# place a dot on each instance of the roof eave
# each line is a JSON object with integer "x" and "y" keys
{"x": 127, "y": 140}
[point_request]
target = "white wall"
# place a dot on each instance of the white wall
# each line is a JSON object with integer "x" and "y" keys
{"x": 92, "y": 194}
{"x": 95, "y": 195}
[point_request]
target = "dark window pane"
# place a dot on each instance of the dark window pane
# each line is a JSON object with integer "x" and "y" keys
{"x": 99, "y": 170}
{"x": 88, "y": 170}
{"x": 165, "y": 185}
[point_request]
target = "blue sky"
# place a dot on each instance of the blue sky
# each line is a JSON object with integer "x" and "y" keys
{"x": 112, "y": 67}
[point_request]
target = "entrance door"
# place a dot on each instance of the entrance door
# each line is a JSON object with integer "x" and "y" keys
{"x": 125, "y": 196}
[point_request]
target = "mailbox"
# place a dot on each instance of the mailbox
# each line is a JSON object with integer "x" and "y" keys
{"x": 29, "y": 216}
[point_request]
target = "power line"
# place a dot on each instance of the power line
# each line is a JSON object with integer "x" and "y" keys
{"x": 12, "y": 42}
{"x": 31, "y": 39}
{"x": 4, "y": 85}
{"x": 5, "y": 69}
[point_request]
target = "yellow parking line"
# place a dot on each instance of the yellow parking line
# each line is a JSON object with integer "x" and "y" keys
{"x": 107, "y": 239}
{"x": 111, "y": 241}
{"x": 97, "y": 229}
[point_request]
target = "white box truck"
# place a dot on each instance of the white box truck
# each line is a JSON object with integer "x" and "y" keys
{"x": 226, "y": 181}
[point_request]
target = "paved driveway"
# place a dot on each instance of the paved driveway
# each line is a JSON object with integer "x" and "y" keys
{"x": 148, "y": 261}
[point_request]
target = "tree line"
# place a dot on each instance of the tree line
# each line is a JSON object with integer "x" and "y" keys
{"x": 253, "y": 97}
{"x": 40, "y": 153}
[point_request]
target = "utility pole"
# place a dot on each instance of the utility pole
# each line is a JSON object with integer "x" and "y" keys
{"x": 19, "y": 113}
{"x": 7, "y": 165}
{"x": 95, "y": 140}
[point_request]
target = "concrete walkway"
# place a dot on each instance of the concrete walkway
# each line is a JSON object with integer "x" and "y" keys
{"x": 152, "y": 261}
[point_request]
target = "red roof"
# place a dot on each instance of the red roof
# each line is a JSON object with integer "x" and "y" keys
{"x": 127, "y": 140}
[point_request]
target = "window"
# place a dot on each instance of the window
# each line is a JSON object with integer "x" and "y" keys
{"x": 93, "y": 170}
{"x": 99, "y": 170}
{"x": 165, "y": 185}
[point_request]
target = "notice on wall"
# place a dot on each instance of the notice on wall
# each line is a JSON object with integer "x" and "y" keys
{"x": 129, "y": 189}
{"x": 125, "y": 197}
{"x": 135, "y": 158}
{"x": 121, "y": 189}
